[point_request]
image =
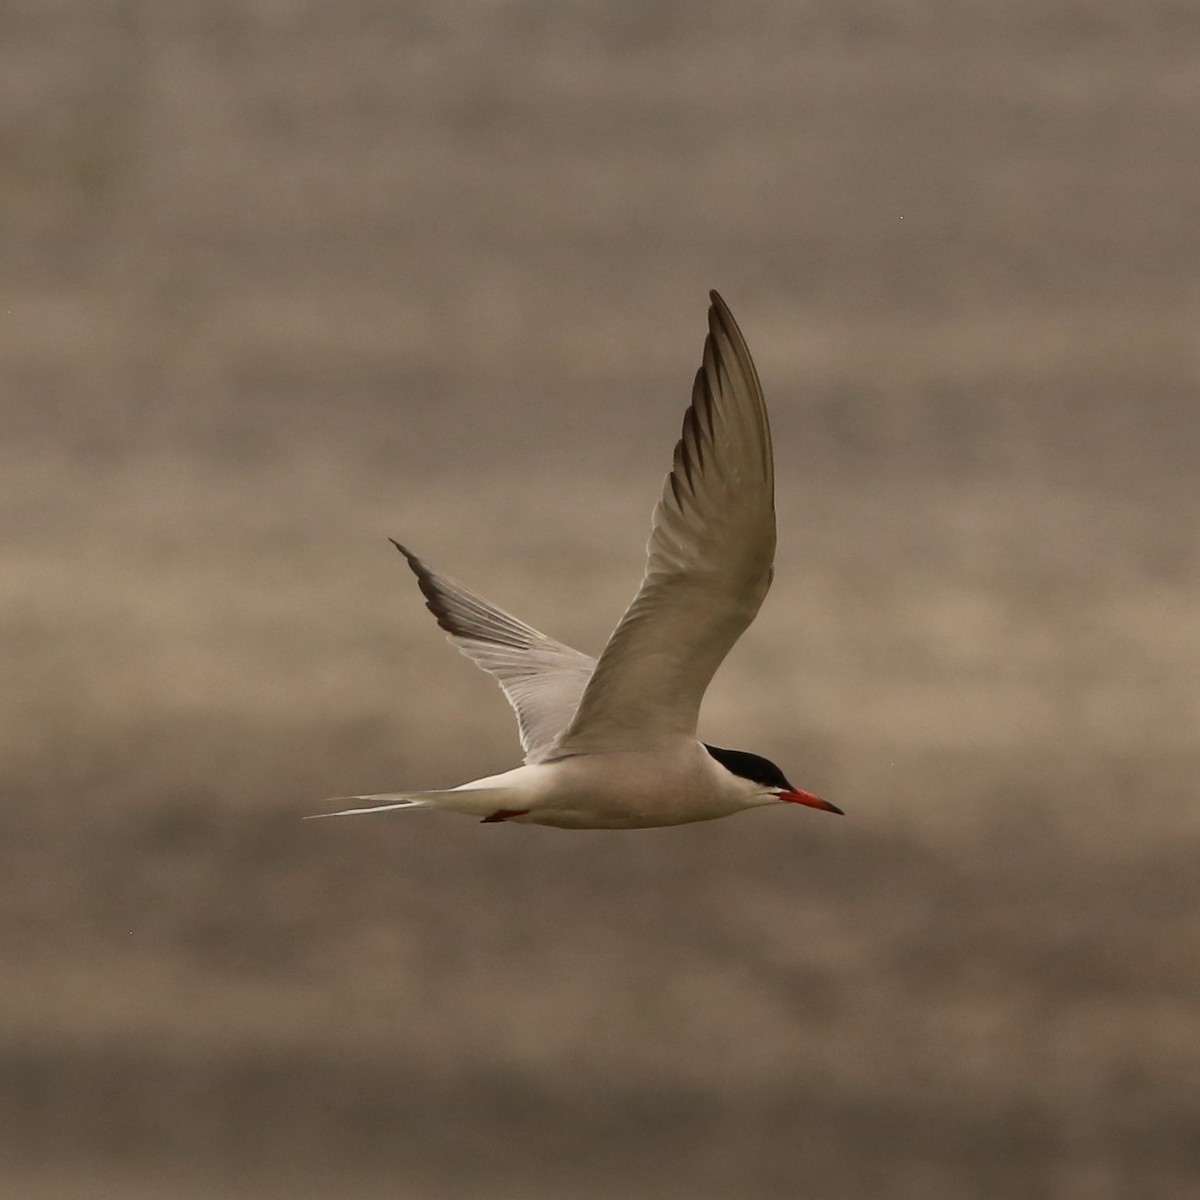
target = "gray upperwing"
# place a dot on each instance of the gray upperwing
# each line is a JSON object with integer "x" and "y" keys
{"x": 542, "y": 679}
{"x": 708, "y": 568}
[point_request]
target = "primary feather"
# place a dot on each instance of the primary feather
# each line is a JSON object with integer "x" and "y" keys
{"x": 542, "y": 679}
{"x": 708, "y": 568}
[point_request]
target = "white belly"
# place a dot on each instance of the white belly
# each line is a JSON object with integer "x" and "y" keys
{"x": 624, "y": 790}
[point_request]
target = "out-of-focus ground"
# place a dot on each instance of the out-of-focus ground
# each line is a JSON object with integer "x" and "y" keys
{"x": 282, "y": 279}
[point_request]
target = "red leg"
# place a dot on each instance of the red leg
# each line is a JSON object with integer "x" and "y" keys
{"x": 504, "y": 814}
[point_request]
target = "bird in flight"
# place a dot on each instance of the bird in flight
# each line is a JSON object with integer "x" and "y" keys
{"x": 610, "y": 743}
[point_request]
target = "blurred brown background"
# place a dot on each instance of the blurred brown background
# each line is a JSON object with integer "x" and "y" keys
{"x": 282, "y": 278}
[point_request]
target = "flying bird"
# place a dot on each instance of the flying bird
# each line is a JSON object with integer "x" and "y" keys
{"x": 610, "y": 743}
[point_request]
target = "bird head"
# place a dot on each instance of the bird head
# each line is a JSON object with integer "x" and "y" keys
{"x": 768, "y": 781}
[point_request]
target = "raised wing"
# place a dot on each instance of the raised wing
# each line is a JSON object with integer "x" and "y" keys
{"x": 542, "y": 678}
{"x": 708, "y": 567}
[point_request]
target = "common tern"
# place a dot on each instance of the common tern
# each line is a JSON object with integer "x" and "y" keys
{"x": 610, "y": 743}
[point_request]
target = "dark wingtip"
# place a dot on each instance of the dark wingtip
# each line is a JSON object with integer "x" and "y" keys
{"x": 418, "y": 567}
{"x": 719, "y": 309}
{"x": 433, "y": 600}
{"x": 722, "y": 321}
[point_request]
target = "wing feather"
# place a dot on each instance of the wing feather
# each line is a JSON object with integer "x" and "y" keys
{"x": 709, "y": 562}
{"x": 542, "y": 679}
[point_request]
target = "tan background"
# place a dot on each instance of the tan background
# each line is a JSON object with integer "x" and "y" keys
{"x": 282, "y": 279}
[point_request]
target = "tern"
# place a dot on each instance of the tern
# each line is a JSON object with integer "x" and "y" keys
{"x": 610, "y": 743}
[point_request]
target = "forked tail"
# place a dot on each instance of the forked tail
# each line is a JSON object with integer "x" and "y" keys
{"x": 474, "y": 802}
